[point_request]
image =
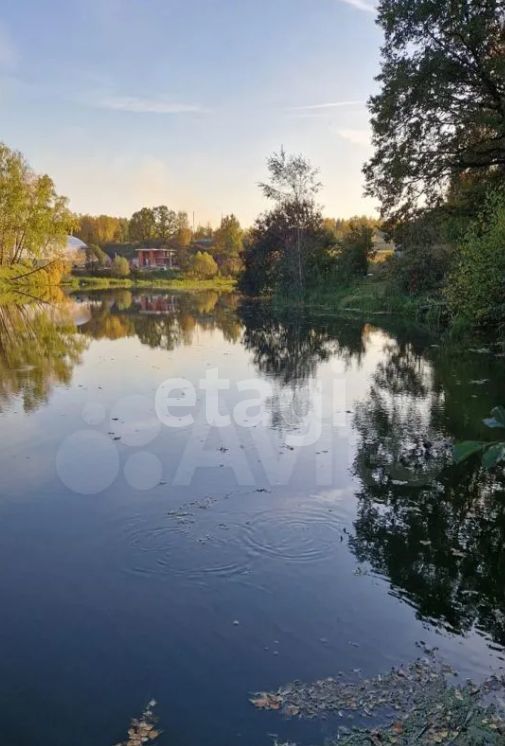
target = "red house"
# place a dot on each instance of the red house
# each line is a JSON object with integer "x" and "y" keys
{"x": 156, "y": 259}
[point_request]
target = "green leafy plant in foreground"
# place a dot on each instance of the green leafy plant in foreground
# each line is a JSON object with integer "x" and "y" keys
{"x": 492, "y": 453}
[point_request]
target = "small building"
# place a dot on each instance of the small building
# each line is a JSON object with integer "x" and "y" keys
{"x": 155, "y": 259}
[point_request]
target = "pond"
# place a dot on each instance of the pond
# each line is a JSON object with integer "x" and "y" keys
{"x": 202, "y": 498}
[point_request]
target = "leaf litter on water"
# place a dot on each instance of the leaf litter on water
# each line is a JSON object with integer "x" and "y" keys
{"x": 143, "y": 730}
{"x": 410, "y": 705}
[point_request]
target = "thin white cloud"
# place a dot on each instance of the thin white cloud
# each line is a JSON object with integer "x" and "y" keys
{"x": 361, "y": 5}
{"x": 145, "y": 105}
{"x": 328, "y": 105}
{"x": 356, "y": 136}
{"x": 8, "y": 52}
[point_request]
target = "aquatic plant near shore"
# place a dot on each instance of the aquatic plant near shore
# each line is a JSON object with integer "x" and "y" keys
{"x": 491, "y": 453}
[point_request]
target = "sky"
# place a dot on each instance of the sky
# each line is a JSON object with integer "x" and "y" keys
{"x": 131, "y": 103}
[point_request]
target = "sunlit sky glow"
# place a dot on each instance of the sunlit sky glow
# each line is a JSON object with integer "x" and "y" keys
{"x": 128, "y": 103}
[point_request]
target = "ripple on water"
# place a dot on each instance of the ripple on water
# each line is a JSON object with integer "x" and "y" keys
{"x": 231, "y": 545}
{"x": 303, "y": 535}
{"x": 172, "y": 549}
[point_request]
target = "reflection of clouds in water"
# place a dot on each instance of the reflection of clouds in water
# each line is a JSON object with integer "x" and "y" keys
{"x": 143, "y": 470}
{"x": 87, "y": 462}
{"x": 94, "y": 413}
{"x": 134, "y": 419}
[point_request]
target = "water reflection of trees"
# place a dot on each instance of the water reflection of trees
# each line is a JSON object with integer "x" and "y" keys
{"x": 286, "y": 345}
{"x": 437, "y": 532}
{"x": 39, "y": 347}
{"x": 290, "y": 345}
{"x": 161, "y": 320}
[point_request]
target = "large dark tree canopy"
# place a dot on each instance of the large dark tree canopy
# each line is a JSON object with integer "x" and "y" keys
{"x": 441, "y": 108}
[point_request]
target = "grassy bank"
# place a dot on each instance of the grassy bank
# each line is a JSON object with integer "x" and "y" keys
{"x": 89, "y": 282}
{"x": 370, "y": 296}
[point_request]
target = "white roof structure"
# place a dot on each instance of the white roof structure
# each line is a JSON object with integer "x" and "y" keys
{"x": 75, "y": 244}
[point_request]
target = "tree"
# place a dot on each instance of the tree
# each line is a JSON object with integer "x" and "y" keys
{"x": 34, "y": 219}
{"x": 120, "y": 266}
{"x": 293, "y": 185}
{"x": 96, "y": 255}
{"x": 142, "y": 226}
{"x": 203, "y": 231}
{"x": 183, "y": 235}
{"x": 355, "y": 248}
{"x": 441, "y": 110}
{"x": 270, "y": 250}
{"x": 101, "y": 229}
{"x": 476, "y": 287}
{"x": 203, "y": 266}
{"x": 165, "y": 222}
{"x": 228, "y": 245}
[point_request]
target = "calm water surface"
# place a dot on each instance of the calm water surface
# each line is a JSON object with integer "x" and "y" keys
{"x": 128, "y": 573}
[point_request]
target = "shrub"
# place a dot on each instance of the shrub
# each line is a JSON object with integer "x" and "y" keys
{"x": 355, "y": 250}
{"x": 476, "y": 287}
{"x": 96, "y": 255}
{"x": 120, "y": 266}
{"x": 421, "y": 269}
{"x": 203, "y": 266}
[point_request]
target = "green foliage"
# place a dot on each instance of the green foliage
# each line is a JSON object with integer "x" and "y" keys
{"x": 286, "y": 250}
{"x": 142, "y": 226}
{"x": 24, "y": 276}
{"x": 284, "y": 245}
{"x": 476, "y": 288}
{"x": 440, "y": 110}
{"x": 497, "y": 418}
{"x": 228, "y": 246}
{"x": 421, "y": 271}
{"x": 292, "y": 180}
{"x": 34, "y": 220}
{"x": 355, "y": 249}
{"x": 159, "y": 224}
{"x": 101, "y": 229}
{"x": 120, "y": 267}
{"x": 203, "y": 231}
{"x": 203, "y": 266}
{"x": 95, "y": 255}
{"x": 491, "y": 453}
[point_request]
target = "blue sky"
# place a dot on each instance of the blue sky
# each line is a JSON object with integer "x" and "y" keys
{"x": 128, "y": 103}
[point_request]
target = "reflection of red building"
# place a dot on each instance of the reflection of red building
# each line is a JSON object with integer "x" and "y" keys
{"x": 156, "y": 259}
{"x": 157, "y": 304}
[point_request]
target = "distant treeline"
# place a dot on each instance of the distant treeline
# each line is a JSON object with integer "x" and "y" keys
{"x": 203, "y": 252}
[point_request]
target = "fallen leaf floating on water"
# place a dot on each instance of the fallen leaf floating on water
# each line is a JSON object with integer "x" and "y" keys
{"x": 266, "y": 701}
{"x": 143, "y": 730}
{"x": 415, "y": 704}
